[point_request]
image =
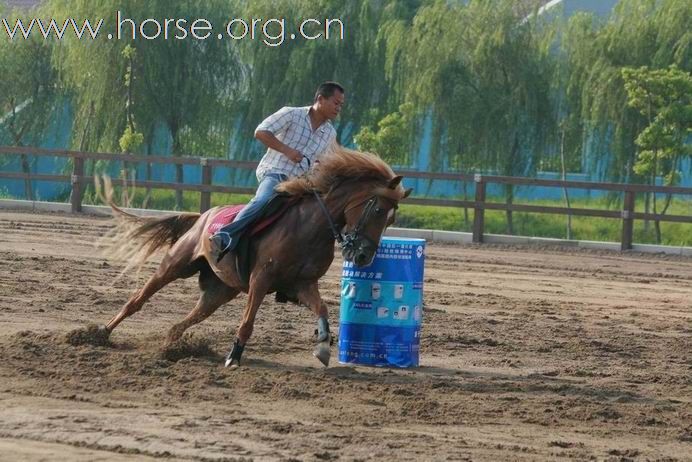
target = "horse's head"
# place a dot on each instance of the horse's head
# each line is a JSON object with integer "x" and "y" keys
{"x": 364, "y": 193}
{"x": 367, "y": 218}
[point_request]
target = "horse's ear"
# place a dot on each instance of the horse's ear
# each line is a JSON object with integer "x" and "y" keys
{"x": 407, "y": 193}
{"x": 394, "y": 182}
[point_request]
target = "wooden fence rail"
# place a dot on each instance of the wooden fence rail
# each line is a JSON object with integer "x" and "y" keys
{"x": 479, "y": 204}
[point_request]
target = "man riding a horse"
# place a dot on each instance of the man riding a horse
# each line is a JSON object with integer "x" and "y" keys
{"x": 295, "y": 138}
{"x": 351, "y": 198}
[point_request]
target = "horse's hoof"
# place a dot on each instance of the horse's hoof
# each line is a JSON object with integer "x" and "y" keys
{"x": 233, "y": 358}
{"x": 323, "y": 353}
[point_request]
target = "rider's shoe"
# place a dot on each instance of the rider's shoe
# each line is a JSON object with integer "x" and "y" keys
{"x": 220, "y": 244}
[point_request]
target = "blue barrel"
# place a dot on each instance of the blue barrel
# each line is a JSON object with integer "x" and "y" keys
{"x": 382, "y": 306}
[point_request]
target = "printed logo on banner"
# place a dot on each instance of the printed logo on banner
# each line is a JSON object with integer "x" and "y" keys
{"x": 399, "y": 261}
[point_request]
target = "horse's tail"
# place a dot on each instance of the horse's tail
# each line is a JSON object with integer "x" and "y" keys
{"x": 136, "y": 238}
{"x": 152, "y": 234}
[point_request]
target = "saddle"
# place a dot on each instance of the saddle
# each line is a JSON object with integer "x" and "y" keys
{"x": 269, "y": 214}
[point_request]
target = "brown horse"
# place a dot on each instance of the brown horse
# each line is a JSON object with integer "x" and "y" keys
{"x": 350, "y": 192}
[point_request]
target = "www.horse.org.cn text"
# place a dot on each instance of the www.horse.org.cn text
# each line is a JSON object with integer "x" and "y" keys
{"x": 270, "y": 32}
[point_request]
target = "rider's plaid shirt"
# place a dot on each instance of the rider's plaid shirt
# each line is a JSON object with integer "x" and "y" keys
{"x": 291, "y": 126}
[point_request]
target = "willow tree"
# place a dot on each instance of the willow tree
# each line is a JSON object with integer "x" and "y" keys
{"x": 28, "y": 87}
{"x": 482, "y": 71}
{"x": 566, "y": 93}
{"x": 185, "y": 83}
{"x": 392, "y": 128}
{"x": 389, "y": 55}
{"x": 92, "y": 72}
{"x": 289, "y": 74}
{"x": 189, "y": 82}
{"x": 652, "y": 33}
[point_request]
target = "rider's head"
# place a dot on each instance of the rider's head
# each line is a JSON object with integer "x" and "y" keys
{"x": 329, "y": 98}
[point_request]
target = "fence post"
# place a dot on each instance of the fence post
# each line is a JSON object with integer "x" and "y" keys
{"x": 479, "y": 209}
{"x": 205, "y": 196}
{"x": 76, "y": 180}
{"x": 627, "y": 221}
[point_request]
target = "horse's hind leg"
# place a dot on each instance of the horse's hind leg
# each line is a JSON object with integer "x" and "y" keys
{"x": 259, "y": 285}
{"x": 214, "y": 294}
{"x": 173, "y": 266}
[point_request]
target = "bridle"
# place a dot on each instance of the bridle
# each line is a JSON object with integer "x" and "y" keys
{"x": 347, "y": 241}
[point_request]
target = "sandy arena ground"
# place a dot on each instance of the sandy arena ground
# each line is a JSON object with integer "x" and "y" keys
{"x": 527, "y": 354}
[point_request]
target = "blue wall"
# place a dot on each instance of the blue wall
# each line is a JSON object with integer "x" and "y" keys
{"x": 58, "y": 136}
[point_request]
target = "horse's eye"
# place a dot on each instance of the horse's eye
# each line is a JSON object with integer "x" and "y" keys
{"x": 379, "y": 210}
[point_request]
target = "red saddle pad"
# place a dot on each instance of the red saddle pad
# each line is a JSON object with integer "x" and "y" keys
{"x": 225, "y": 216}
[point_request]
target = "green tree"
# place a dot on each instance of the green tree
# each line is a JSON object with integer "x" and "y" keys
{"x": 28, "y": 88}
{"x": 664, "y": 98}
{"x": 189, "y": 83}
{"x": 565, "y": 87}
{"x": 482, "y": 72}
{"x": 131, "y": 139}
{"x": 653, "y": 33}
{"x": 93, "y": 74}
{"x": 289, "y": 74}
{"x": 186, "y": 84}
{"x": 392, "y": 140}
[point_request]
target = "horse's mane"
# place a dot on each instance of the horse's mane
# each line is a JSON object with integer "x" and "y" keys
{"x": 340, "y": 164}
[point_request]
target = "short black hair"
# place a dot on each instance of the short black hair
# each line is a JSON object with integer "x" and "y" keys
{"x": 327, "y": 89}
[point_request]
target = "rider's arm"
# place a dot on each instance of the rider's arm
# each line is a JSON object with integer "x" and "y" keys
{"x": 277, "y": 123}
{"x": 269, "y": 140}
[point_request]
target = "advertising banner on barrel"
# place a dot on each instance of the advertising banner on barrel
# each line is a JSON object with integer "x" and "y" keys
{"x": 382, "y": 306}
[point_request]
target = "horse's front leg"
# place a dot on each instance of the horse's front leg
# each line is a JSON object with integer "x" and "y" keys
{"x": 310, "y": 296}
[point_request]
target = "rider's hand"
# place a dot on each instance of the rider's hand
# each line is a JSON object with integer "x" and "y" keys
{"x": 294, "y": 155}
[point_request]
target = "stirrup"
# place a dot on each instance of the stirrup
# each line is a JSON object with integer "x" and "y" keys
{"x": 222, "y": 233}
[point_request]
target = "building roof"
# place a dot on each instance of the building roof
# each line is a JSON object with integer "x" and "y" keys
{"x": 20, "y": 3}
{"x": 569, "y": 7}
